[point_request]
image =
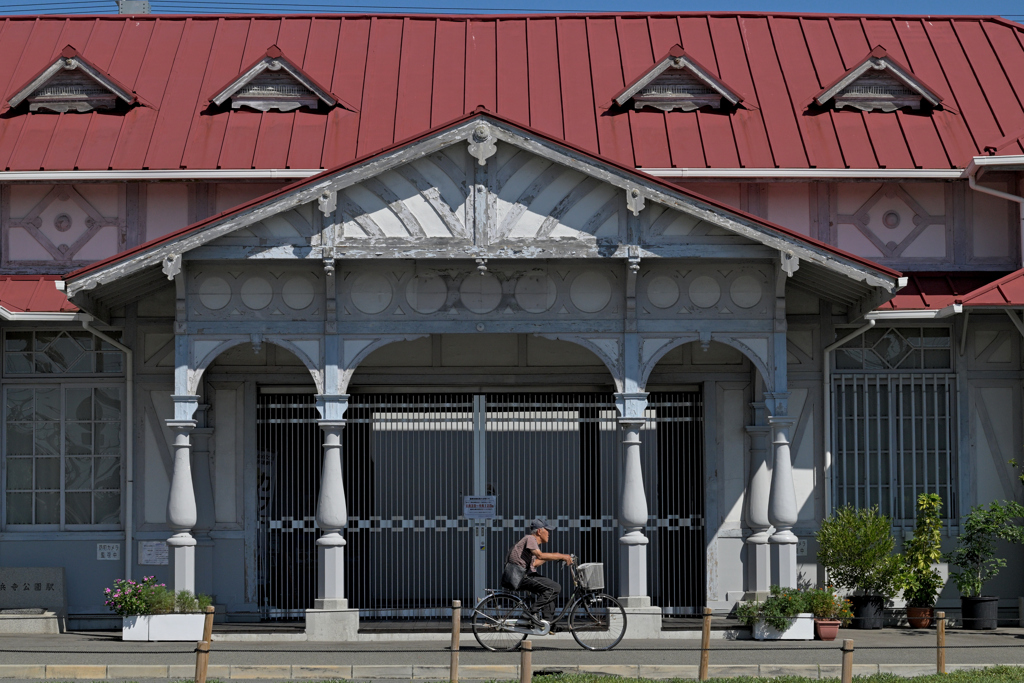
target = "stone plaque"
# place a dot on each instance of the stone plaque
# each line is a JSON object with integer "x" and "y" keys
{"x": 27, "y": 587}
{"x": 153, "y": 553}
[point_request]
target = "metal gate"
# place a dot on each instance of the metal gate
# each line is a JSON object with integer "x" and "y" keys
{"x": 409, "y": 461}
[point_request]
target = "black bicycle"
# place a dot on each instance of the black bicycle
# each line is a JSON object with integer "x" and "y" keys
{"x": 502, "y": 620}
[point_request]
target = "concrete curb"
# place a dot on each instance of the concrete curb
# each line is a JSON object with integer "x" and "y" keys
{"x": 469, "y": 672}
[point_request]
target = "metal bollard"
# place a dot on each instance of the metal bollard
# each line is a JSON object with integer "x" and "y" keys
{"x": 526, "y": 663}
{"x": 203, "y": 647}
{"x": 453, "y": 673}
{"x": 940, "y": 638}
{"x": 847, "y": 661}
{"x": 705, "y": 643}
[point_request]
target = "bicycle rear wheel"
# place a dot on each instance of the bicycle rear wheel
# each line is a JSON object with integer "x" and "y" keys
{"x": 597, "y": 621}
{"x": 492, "y": 619}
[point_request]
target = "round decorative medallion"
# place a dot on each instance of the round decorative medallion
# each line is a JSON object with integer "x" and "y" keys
{"x": 480, "y": 293}
{"x": 371, "y": 293}
{"x": 891, "y": 220}
{"x": 535, "y": 292}
{"x": 256, "y": 293}
{"x": 662, "y": 291}
{"x": 705, "y": 291}
{"x": 426, "y": 293}
{"x": 746, "y": 291}
{"x": 214, "y": 293}
{"x": 297, "y": 293}
{"x": 590, "y": 291}
{"x": 62, "y": 222}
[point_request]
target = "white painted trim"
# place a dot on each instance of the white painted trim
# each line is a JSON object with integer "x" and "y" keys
{"x": 1008, "y": 160}
{"x": 169, "y": 174}
{"x": 40, "y": 316}
{"x": 916, "y": 313}
{"x": 808, "y": 173}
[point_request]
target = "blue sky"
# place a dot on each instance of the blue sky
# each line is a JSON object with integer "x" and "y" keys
{"x": 1010, "y": 8}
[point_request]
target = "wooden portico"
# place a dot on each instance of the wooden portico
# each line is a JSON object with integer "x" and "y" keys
{"x": 483, "y": 226}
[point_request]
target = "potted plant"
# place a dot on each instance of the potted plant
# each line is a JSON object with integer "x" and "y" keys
{"x": 855, "y": 548}
{"x": 784, "y": 615}
{"x": 150, "y": 612}
{"x": 975, "y": 556}
{"x": 921, "y": 580}
{"x": 830, "y": 612}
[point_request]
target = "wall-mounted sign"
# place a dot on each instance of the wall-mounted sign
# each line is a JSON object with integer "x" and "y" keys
{"x": 479, "y": 507}
{"x": 108, "y": 551}
{"x": 153, "y": 552}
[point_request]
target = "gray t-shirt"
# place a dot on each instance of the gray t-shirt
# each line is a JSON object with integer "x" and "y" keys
{"x": 522, "y": 554}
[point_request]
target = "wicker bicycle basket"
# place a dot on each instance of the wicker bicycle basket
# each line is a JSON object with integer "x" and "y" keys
{"x": 591, "y": 575}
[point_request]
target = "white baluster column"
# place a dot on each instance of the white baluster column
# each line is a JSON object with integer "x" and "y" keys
{"x": 758, "y": 494}
{"x": 181, "y": 504}
{"x": 633, "y": 511}
{"x": 331, "y": 619}
{"x": 782, "y": 510}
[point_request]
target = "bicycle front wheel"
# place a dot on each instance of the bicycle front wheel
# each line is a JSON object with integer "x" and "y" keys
{"x": 597, "y": 621}
{"x": 493, "y": 619}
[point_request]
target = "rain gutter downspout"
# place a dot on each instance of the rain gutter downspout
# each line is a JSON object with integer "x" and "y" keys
{"x": 129, "y": 470}
{"x": 826, "y": 403}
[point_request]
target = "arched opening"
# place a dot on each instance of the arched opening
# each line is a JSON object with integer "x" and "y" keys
{"x": 277, "y": 458}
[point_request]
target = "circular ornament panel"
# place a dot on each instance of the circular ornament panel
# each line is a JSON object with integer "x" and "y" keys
{"x": 256, "y": 293}
{"x": 746, "y": 291}
{"x": 662, "y": 291}
{"x": 426, "y": 293}
{"x": 705, "y": 291}
{"x": 371, "y": 293}
{"x": 590, "y": 291}
{"x": 480, "y": 293}
{"x": 536, "y": 292}
{"x": 298, "y": 293}
{"x": 214, "y": 293}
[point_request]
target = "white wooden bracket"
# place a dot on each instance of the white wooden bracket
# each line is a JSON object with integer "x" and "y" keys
{"x": 634, "y": 200}
{"x": 481, "y": 144}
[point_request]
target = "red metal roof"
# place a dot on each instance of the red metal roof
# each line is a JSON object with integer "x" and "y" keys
{"x": 33, "y": 294}
{"x": 1006, "y": 291}
{"x": 792, "y": 234}
{"x": 553, "y": 73}
{"x": 934, "y": 291}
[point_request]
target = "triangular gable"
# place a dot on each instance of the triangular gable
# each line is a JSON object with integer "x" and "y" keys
{"x": 481, "y": 133}
{"x": 71, "y": 83}
{"x": 274, "y": 82}
{"x": 879, "y": 82}
{"x": 677, "y": 81}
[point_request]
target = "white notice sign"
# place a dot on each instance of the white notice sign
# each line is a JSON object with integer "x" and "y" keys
{"x": 108, "y": 551}
{"x": 479, "y": 507}
{"x": 153, "y": 552}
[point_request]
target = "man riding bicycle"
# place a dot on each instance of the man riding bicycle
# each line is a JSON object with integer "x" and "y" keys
{"x": 528, "y": 555}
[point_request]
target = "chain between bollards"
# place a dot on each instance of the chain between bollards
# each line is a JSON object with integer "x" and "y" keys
{"x": 203, "y": 646}
{"x": 705, "y": 643}
{"x": 526, "y": 662}
{"x": 847, "y": 661}
{"x": 453, "y": 673}
{"x": 940, "y": 637}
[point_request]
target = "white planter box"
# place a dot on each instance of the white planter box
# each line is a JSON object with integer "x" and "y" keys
{"x": 802, "y": 628}
{"x": 156, "y": 627}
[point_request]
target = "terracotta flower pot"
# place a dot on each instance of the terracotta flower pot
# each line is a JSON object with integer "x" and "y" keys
{"x": 827, "y": 629}
{"x": 920, "y": 617}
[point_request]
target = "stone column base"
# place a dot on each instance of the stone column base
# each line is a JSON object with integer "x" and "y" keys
{"x": 642, "y": 622}
{"x": 333, "y": 625}
{"x": 784, "y": 567}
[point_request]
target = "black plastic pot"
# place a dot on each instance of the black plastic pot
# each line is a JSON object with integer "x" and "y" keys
{"x": 980, "y": 613}
{"x": 868, "y": 611}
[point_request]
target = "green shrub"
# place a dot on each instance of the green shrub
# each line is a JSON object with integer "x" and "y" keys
{"x": 855, "y": 548}
{"x": 825, "y": 604}
{"x": 921, "y": 581}
{"x": 777, "y": 610}
{"x": 975, "y": 553}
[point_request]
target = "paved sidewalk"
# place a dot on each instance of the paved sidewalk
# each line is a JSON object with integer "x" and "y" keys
{"x": 102, "y": 655}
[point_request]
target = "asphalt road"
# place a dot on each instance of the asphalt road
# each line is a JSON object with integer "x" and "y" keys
{"x": 887, "y": 646}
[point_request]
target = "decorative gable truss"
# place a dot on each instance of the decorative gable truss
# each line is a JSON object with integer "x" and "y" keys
{"x": 878, "y": 83}
{"x": 273, "y": 82}
{"x": 72, "y": 84}
{"x": 678, "y": 81}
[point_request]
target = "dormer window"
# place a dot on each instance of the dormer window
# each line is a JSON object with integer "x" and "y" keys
{"x": 274, "y": 83}
{"x": 677, "y": 81}
{"x": 72, "y": 84}
{"x": 879, "y": 83}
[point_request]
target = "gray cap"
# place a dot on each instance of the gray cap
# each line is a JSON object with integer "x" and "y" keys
{"x": 540, "y": 523}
